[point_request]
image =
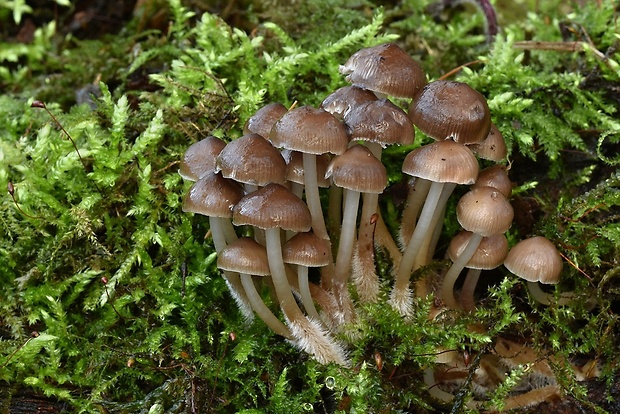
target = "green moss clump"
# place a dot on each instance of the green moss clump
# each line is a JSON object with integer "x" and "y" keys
{"x": 110, "y": 299}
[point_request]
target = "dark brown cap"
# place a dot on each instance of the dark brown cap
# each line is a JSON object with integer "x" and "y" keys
{"x": 357, "y": 169}
{"x": 273, "y": 206}
{"x": 451, "y": 110}
{"x": 262, "y": 121}
{"x": 493, "y": 148}
{"x": 252, "y": 159}
{"x": 213, "y": 195}
{"x": 386, "y": 69}
{"x": 306, "y": 249}
{"x": 199, "y": 158}
{"x": 379, "y": 121}
{"x": 342, "y": 100}
{"x": 295, "y": 167}
{"x": 443, "y": 162}
{"x": 244, "y": 255}
{"x": 310, "y": 130}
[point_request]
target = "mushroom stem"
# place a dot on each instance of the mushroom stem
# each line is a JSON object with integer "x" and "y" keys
{"x": 364, "y": 274}
{"x": 304, "y": 292}
{"x": 345, "y": 253}
{"x": 233, "y": 281}
{"x": 262, "y": 310}
{"x": 313, "y": 201}
{"x": 469, "y": 287}
{"x": 547, "y": 299}
{"x": 447, "y": 288}
{"x": 309, "y": 334}
{"x": 415, "y": 201}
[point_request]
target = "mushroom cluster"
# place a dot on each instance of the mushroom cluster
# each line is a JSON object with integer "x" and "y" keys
{"x": 263, "y": 195}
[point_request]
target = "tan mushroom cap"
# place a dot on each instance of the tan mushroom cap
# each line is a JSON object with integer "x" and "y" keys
{"x": 213, "y": 195}
{"x": 490, "y": 253}
{"x": 444, "y": 162}
{"x": 295, "y": 167}
{"x": 306, "y": 249}
{"x": 251, "y": 159}
{"x": 495, "y": 176}
{"x": 386, "y": 69}
{"x": 199, "y": 158}
{"x": 379, "y": 121}
{"x": 484, "y": 211}
{"x": 272, "y": 206}
{"x": 451, "y": 110}
{"x": 244, "y": 255}
{"x": 493, "y": 148}
{"x": 310, "y": 130}
{"x": 536, "y": 260}
{"x": 263, "y": 120}
{"x": 344, "y": 99}
{"x": 359, "y": 170}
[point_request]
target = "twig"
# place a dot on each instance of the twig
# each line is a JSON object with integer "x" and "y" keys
{"x": 11, "y": 190}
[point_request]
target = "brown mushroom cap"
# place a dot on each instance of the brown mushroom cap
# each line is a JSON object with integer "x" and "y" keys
{"x": 295, "y": 167}
{"x": 263, "y": 120}
{"x": 451, "y": 110}
{"x": 213, "y": 195}
{"x": 385, "y": 69}
{"x": 484, "y": 211}
{"x": 244, "y": 255}
{"x": 199, "y": 158}
{"x": 379, "y": 121}
{"x": 495, "y": 176}
{"x": 272, "y": 206}
{"x": 442, "y": 161}
{"x": 536, "y": 260}
{"x": 490, "y": 254}
{"x": 306, "y": 249}
{"x": 357, "y": 169}
{"x": 493, "y": 148}
{"x": 342, "y": 100}
{"x": 252, "y": 159}
{"x": 310, "y": 130}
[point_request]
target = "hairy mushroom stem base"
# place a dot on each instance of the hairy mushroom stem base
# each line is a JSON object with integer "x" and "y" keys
{"x": 262, "y": 310}
{"x": 364, "y": 274}
{"x": 309, "y": 335}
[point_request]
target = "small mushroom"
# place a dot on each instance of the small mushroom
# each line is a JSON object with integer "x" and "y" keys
{"x": 199, "y": 158}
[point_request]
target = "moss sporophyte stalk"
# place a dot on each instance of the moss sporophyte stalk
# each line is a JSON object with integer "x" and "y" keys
{"x": 145, "y": 149}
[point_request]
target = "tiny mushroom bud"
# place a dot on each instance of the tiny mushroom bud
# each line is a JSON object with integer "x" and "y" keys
{"x": 493, "y": 148}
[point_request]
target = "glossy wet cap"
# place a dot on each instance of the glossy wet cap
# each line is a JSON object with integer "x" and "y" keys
{"x": 495, "y": 176}
{"x": 493, "y": 148}
{"x": 443, "y": 162}
{"x": 344, "y": 99}
{"x": 359, "y": 170}
{"x": 536, "y": 260}
{"x": 379, "y": 121}
{"x": 213, "y": 195}
{"x": 451, "y": 110}
{"x": 306, "y": 249}
{"x": 199, "y": 158}
{"x": 270, "y": 207}
{"x": 251, "y": 159}
{"x": 485, "y": 211}
{"x": 490, "y": 253}
{"x": 310, "y": 130}
{"x": 386, "y": 69}
{"x": 263, "y": 120}
{"x": 244, "y": 255}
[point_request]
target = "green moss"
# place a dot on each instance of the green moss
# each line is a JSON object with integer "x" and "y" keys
{"x": 161, "y": 333}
